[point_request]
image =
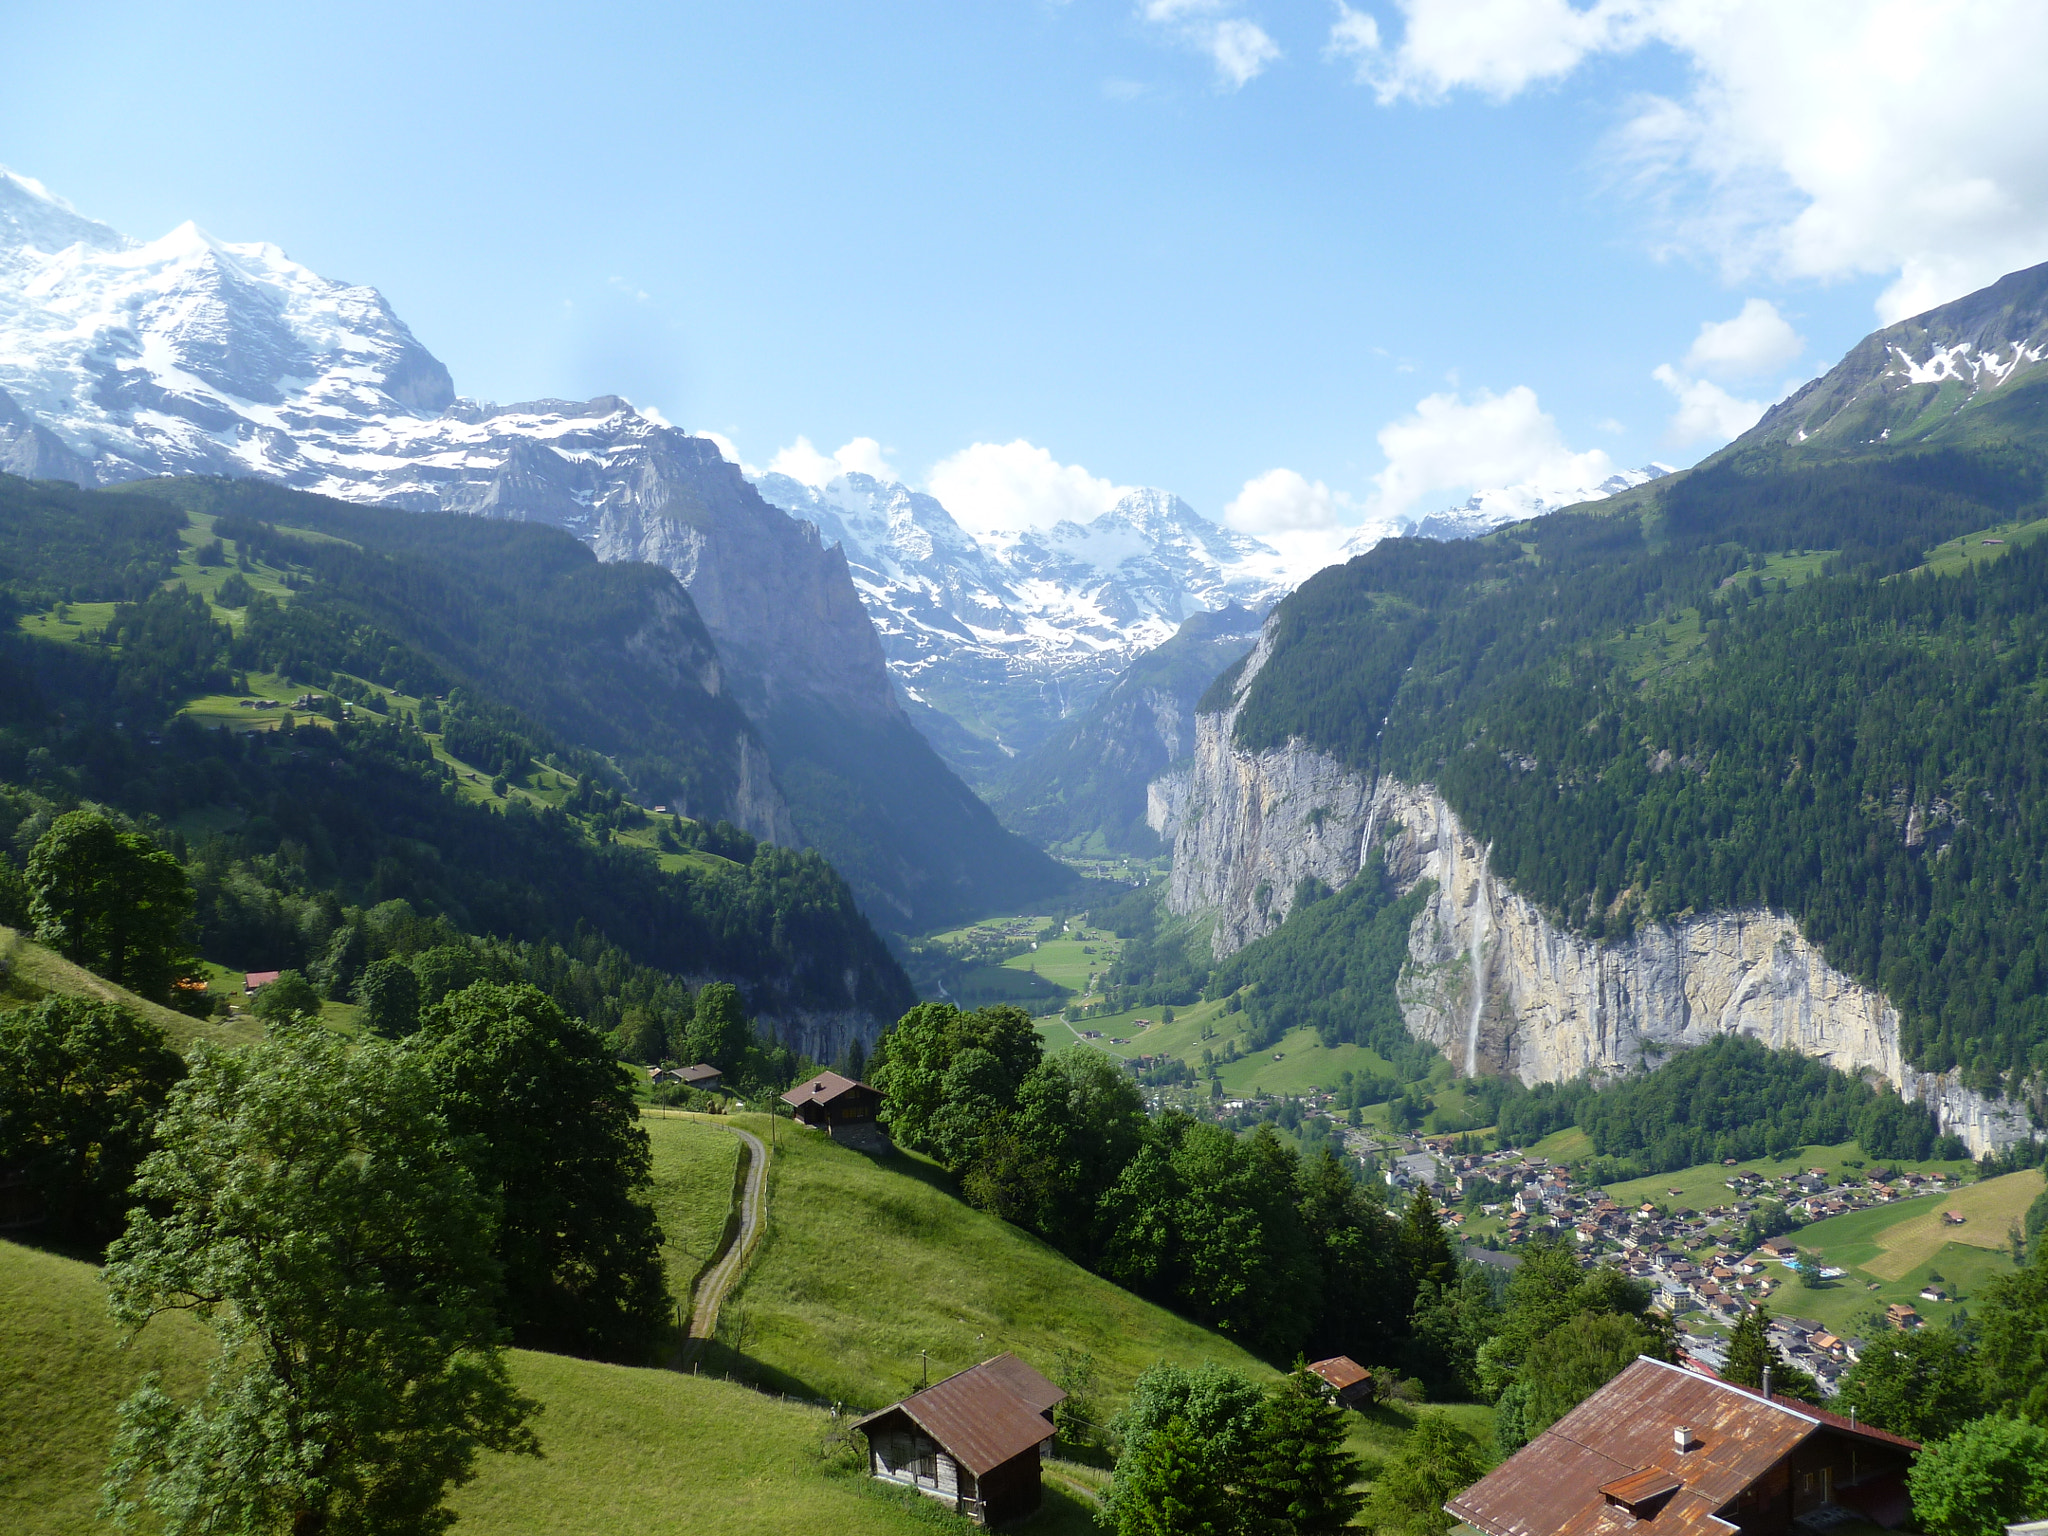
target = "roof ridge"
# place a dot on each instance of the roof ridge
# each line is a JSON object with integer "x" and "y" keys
{"x": 1755, "y": 1397}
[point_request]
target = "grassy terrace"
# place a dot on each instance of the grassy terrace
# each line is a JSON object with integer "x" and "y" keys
{"x": 868, "y": 1261}
{"x": 695, "y": 1161}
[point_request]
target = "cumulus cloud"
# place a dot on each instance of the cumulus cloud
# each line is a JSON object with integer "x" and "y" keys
{"x": 1758, "y": 340}
{"x": 1821, "y": 140}
{"x": 1007, "y": 487}
{"x": 1705, "y": 409}
{"x": 1285, "y": 501}
{"x": 1240, "y": 49}
{"x": 1451, "y": 443}
{"x": 801, "y": 461}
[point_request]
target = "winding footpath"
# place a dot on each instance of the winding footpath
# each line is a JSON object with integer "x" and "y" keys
{"x": 720, "y": 1279}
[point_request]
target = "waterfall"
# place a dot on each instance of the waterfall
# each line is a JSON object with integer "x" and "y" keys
{"x": 1481, "y": 914}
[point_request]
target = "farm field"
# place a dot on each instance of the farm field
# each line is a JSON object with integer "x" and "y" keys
{"x": 869, "y": 1261}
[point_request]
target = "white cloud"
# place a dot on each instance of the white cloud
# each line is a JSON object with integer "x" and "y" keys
{"x": 727, "y": 448}
{"x": 1005, "y": 487}
{"x": 801, "y": 461}
{"x": 1283, "y": 501}
{"x": 1240, "y": 49}
{"x": 1453, "y": 444}
{"x": 1759, "y": 340}
{"x": 1705, "y": 409}
{"x": 1824, "y": 139}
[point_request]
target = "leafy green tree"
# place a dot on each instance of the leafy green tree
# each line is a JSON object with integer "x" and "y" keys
{"x": 2012, "y": 1331}
{"x": 1352, "y": 1239}
{"x": 1570, "y": 1364}
{"x": 318, "y": 1216}
{"x": 1990, "y": 1473}
{"x": 81, "y": 1085}
{"x": 14, "y": 896}
{"x": 1078, "y": 1120}
{"x": 347, "y": 953}
{"x": 290, "y": 996}
{"x": 1299, "y": 1477}
{"x": 1187, "y": 1435}
{"x": 1437, "y": 1460}
{"x": 444, "y": 969}
{"x": 1169, "y": 1485}
{"x": 911, "y": 1061}
{"x": 111, "y": 901}
{"x": 559, "y": 1142}
{"x": 389, "y": 992}
{"x": 1925, "y": 1385}
{"x": 719, "y": 1031}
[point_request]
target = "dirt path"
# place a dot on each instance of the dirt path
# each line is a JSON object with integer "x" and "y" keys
{"x": 712, "y": 1289}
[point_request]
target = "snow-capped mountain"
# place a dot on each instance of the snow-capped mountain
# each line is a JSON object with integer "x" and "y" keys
{"x": 1008, "y": 635}
{"x": 121, "y": 360}
{"x": 1487, "y": 510}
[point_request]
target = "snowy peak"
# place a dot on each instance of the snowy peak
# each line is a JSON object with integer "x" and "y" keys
{"x": 1498, "y": 506}
{"x": 1925, "y": 377}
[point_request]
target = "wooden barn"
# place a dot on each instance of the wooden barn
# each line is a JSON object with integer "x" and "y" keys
{"x": 971, "y": 1441}
{"x": 838, "y": 1106}
{"x": 1349, "y": 1382}
{"x": 1662, "y": 1449}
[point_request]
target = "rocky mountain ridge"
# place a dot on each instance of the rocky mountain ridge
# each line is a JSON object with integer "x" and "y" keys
{"x": 122, "y": 360}
{"x": 1490, "y": 979}
{"x": 1007, "y": 636}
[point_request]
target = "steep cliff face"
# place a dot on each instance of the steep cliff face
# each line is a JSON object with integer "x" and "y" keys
{"x": 1491, "y": 980}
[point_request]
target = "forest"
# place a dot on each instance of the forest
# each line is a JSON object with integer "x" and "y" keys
{"x": 1738, "y": 691}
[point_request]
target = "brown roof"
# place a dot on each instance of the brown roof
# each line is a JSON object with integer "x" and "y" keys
{"x": 984, "y": 1415}
{"x": 1340, "y": 1371}
{"x": 1589, "y": 1473}
{"x": 699, "y": 1072}
{"x": 823, "y": 1089}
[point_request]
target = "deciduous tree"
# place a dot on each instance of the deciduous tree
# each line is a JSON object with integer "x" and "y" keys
{"x": 111, "y": 901}
{"x": 1992, "y": 1472}
{"x": 319, "y": 1217}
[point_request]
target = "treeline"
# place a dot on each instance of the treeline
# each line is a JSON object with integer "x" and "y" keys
{"x": 1283, "y": 1251}
{"x": 1863, "y": 751}
{"x": 1729, "y": 1098}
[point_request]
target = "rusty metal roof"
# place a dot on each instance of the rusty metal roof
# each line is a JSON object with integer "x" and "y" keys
{"x": 1641, "y": 1487}
{"x": 823, "y": 1089}
{"x": 1622, "y": 1436}
{"x": 1340, "y": 1371}
{"x": 984, "y": 1415}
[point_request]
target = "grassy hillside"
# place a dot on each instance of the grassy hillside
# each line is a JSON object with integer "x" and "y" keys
{"x": 694, "y": 1163}
{"x": 1706, "y": 1184}
{"x": 869, "y": 1260}
{"x": 29, "y": 972}
{"x": 640, "y": 1450}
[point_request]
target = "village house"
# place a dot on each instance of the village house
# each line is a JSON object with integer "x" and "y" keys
{"x": 971, "y": 1442}
{"x": 1677, "y": 1450}
{"x": 843, "y": 1109}
{"x": 1349, "y": 1382}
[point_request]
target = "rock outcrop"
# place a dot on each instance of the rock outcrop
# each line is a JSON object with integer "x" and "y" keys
{"x": 1490, "y": 979}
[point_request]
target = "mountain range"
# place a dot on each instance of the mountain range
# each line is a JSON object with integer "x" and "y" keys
{"x": 122, "y": 360}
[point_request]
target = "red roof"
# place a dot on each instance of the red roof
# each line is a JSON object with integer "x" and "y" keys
{"x": 254, "y": 979}
{"x": 824, "y": 1088}
{"x": 1340, "y": 1371}
{"x": 1599, "y": 1470}
{"x": 982, "y": 1416}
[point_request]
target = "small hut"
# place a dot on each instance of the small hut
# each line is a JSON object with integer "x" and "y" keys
{"x": 1349, "y": 1382}
{"x": 971, "y": 1441}
{"x": 840, "y": 1107}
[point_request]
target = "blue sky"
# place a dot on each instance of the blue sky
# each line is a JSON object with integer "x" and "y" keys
{"x": 1204, "y": 244}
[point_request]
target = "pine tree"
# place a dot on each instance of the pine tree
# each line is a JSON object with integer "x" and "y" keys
{"x": 1750, "y": 1350}
{"x": 1425, "y": 1251}
{"x": 1299, "y": 1478}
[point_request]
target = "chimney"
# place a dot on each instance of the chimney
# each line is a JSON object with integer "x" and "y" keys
{"x": 1682, "y": 1440}
{"x": 1767, "y": 1383}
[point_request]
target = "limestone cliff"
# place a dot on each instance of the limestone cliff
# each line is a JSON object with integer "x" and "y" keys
{"x": 1490, "y": 979}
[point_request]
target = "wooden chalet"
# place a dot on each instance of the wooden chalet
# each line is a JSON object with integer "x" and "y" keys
{"x": 838, "y": 1106}
{"x": 971, "y": 1441}
{"x": 1662, "y": 1450}
{"x": 1349, "y": 1382}
{"x": 702, "y": 1075}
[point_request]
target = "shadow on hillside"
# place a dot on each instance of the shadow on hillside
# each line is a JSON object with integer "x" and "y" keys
{"x": 722, "y": 1362}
